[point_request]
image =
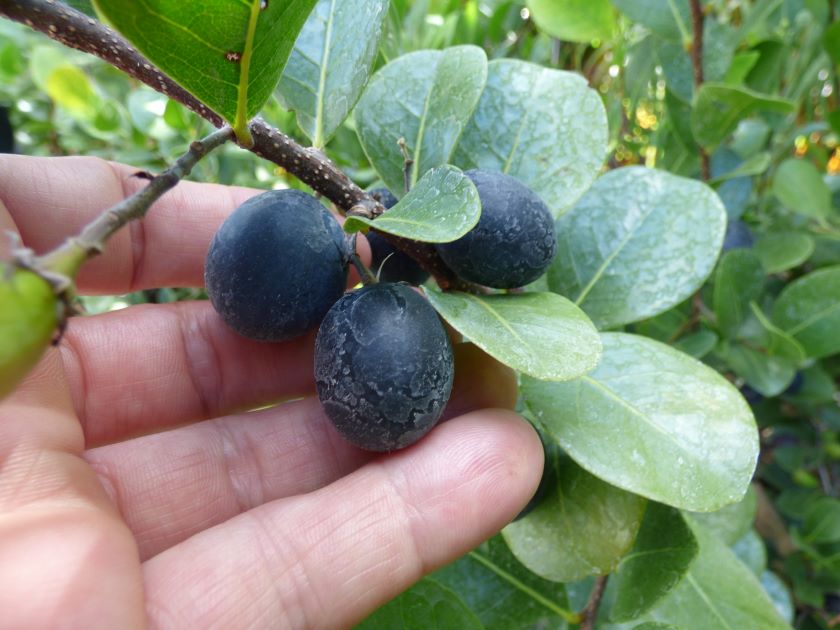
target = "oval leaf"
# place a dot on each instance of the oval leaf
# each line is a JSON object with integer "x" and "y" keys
{"x": 426, "y": 98}
{"x": 732, "y": 522}
{"x": 718, "y": 108}
{"x": 664, "y": 549}
{"x": 809, "y": 309}
{"x": 654, "y": 421}
{"x": 328, "y": 68}
{"x": 574, "y": 20}
{"x": 229, "y": 55}
{"x": 800, "y": 187}
{"x": 442, "y": 207}
{"x": 545, "y": 127}
{"x": 540, "y": 334}
{"x": 783, "y": 250}
{"x": 425, "y": 605}
{"x": 491, "y": 574}
{"x": 583, "y": 528}
{"x": 738, "y": 281}
{"x": 719, "y": 591}
{"x": 639, "y": 242}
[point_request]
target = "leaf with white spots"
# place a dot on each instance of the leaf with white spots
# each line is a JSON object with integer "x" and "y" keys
{"x": 639, "y": 242}
{"x": 653, "y": 421}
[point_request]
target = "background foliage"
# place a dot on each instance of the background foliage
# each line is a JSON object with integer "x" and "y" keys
{"x": 641, "y": 260}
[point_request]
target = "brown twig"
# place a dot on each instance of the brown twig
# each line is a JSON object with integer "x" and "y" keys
{"x": 697, "y": 63}
{"x": 91, "y": 240}
{"x": 590, "y": 613}
{"x": 76, "y": 30}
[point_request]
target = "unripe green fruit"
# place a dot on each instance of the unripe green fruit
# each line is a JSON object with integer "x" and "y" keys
{"x": 28, "y": 319}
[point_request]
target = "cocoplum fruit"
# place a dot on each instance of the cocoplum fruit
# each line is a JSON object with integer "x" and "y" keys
{"x": 514, "y": 241}
{"x": 383, "y": 366}
{"x": 276, "y": 265}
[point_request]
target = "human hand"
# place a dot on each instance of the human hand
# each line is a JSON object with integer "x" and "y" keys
{"x": 132, "y": 493}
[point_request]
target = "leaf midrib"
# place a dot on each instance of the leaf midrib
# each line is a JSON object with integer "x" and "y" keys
{"x": 318, "y": 141}
{"x": 513, "y": 581}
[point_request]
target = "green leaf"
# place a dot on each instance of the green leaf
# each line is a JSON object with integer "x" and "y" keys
{"x": 697, "y": 344}
{"x": 664, "y": 549}
{"x": 822, "y": 522}
{"x": 502, "y": 592}
{"x": 799, "y": 186}
{"x": 738, "y": 281}
{"x": 831, "y": 39}
{"x": 670, "y": 19}
{"x": 583, "y": 528}
{"x": 540, "y": 334}
{"x": 653, "y": 421}
{"x": 718, "y": 591}
{"x": 754, "y": 165}
{"x": 331, "y": 63}
{"x": 425, "y": 605}
{"x": 228, "y": 54}
{"x": 719, "y": 107}
{"x": 733, "y": 521}
{"x": 425, "y": 97}
{"x": 639, "y": 242}
{"x": 70, "y": 88}
{"x": 442, "y": 207}
{"x": 655, "y": 625}
{"x": 751, "y": 550}
{"x": 574, "y": 20}
{"x": 783, "y": 250}
{"x": 768, "y": 375}
{"x": 84, "y": 6}
{"x": 779, "y": 343}
{"x": 545, "y": 127}
{"x": 778, "y": 592}
{"x": 809, "y": 309}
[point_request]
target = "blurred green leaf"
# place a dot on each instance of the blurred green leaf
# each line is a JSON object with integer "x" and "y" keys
{"x": 653, "y": 421}
{"x": 426, "y": 98}
{"x": 540, "y": 334}
{"x": 670, "y": 19}
{"x": 768, "y": 375}
{"x": 831, "y": 39}
{"x": 809, "y": 309}
{"x": 779, "y": 594}
{"x": 330, "y": 64}
{"x": 639, "y": 242}
{"x": 719, "y": 107}
{"x": 574, "y": 20}
{"x": 738, "y": 281}
{"x": 425, "y": 605}
{"x": 800, "y": 187}
{"x": 781, "y": 251}
{"x": 733, "y": 521}
{"x": 70, "y": 88}
{"x": 751, "y": 550}
{"x": 822, "y": 521}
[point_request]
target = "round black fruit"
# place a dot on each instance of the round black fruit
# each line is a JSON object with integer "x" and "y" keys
{"x": 276, "y": 265}
{"x": 513, "y": 243}
{"x": 390, "y": 263}
{"x": 383, "y": 366}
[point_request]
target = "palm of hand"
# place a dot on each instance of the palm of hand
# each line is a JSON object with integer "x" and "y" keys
{"x": 132, "y": 493}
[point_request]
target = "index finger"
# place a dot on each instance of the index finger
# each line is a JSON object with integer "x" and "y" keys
{"x": 50, "y": 199}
